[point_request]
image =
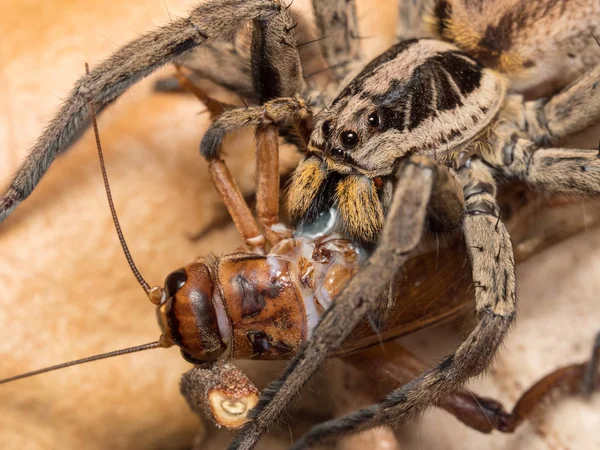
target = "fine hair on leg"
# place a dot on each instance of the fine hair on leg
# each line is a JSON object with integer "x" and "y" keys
{"x": 216, "y": 19}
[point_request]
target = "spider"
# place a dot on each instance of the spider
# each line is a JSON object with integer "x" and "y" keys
{"x": 376, "y": 149}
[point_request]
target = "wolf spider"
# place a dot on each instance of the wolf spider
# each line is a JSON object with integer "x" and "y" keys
{"x": 418, "y": 139}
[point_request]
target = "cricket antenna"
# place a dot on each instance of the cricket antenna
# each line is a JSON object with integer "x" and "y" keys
{"x": 155, "y": 294}
{"x": 124, "y": 351}
{"x": 134, "y": 268}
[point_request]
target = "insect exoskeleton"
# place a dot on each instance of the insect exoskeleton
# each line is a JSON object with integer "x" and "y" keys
{"x": 251, "y": 306}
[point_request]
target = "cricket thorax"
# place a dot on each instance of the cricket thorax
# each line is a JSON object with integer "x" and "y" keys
{"x": 419, "y": 97}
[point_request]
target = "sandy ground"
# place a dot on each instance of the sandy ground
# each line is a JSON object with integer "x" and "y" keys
{"x": 68, "y": 293}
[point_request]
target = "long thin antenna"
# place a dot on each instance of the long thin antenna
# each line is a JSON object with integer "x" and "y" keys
{"x": 124, "y": 351}
{"x": 134, "y": 268}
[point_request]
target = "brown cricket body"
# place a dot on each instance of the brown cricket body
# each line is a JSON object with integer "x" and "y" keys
{"x": 251, "y": 306}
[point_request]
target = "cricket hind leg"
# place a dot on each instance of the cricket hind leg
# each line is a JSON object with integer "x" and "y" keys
{"x": 492, "y": 263}
{"x": 266, "y": 119}
{"x": 235, "y": 203}
{"x": 213, "y": 106}
{"x": 223, "y": 218}
{"x": 219, "y": 391}
{"x": 125, "y": 67}
{"x": 268, "y": 178}
{"x": 571, "y": 379}
{"x": 379, "y": 370}
{"x": 489, "y": 414}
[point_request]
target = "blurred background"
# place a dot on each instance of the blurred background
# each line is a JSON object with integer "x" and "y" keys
{"x": 67, "y": 292}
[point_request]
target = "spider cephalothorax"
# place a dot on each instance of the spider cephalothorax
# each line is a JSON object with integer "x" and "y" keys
{"x": 421, "y": 96}
{"x": 426, "y": 131}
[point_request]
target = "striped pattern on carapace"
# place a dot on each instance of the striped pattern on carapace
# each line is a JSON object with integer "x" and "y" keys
{"x": 421, "y": 96}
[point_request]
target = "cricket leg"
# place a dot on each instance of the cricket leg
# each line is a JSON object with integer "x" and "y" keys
{"x": 221, "y": 392}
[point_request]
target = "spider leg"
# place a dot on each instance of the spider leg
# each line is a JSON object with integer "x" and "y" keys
{"x": 277, "y": 79}
{"x": 229, "y": 64}
{"x": 560, "y": 170}
{"x": 220, "y": 62}
{"x": 337, "y": 27}
{"x": 393, "y": 365}
{"x": 547, "y": 121}
{"x": 591, "y": 370}
{"x": 401, "y": 234}
{"x": 514, "y": 146}
{"x": 390, "y": 366}
{"x": 444, "y": 213}
{"x": 556, "y": 170}
{"x": 490, "y": 252}
{"x": 214, "y": 19}
{"x": 410, "y": 19}
{"x": 573, "y": 109}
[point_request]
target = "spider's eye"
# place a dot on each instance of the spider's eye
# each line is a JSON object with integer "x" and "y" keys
{"x": 326, "y": 128}
{"x": 349, "y": 139}
{"x": 338, "y": 152}
{"x": 373, "y": 119}
{"x": 174, "y": 282}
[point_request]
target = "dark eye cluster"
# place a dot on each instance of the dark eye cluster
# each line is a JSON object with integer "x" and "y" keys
{"x": 349, "y": 138}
